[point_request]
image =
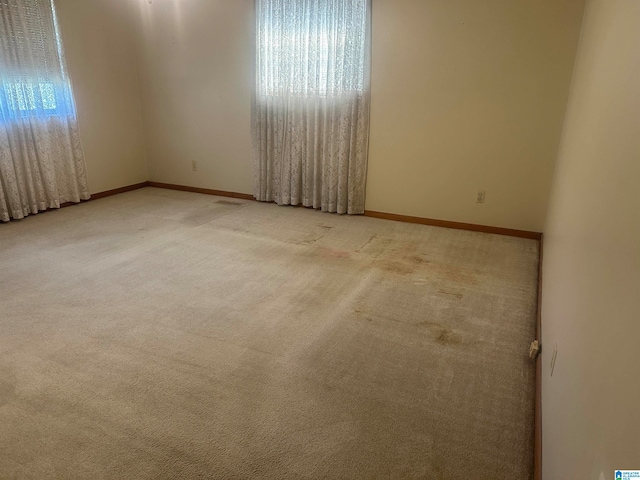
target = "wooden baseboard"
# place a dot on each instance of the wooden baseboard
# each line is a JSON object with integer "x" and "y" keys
{"x": 106, "y": 193}
{"x": 206, "y": 191}
{"x": 537, "y": 468}
{"x": 116, "y": 191}
{"x": 457, "y": 225}
{"x": 368, "y": 213}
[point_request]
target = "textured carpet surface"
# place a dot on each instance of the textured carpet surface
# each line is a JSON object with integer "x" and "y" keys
{"x": 162, "y": 334}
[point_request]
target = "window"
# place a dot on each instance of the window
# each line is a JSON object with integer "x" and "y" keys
{"x": 311, "y": 47}
{"x": 33, "y": 81}
{"x": 24, "y": 97}
{"x": 310, "y": 111}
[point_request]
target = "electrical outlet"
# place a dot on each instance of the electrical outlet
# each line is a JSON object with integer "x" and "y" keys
{"x": 194, "y": 165}
{"x": 553, "y": 358}
{"x": 481, "y": 195}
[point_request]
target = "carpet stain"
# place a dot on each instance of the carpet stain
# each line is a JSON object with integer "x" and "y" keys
{"x": 415, "y": 263}
{"x": 443, "y": 335}
{"x": 327, "y": 252}
{"x": 395, "y": 267}
{"x": 457, "y": 295}
{"x": 430, "y": 324}
{"x": 370, "y": 316}
{"x": 448, "y": 337}
{"x": 199, "y": 218}
{"x": 371, "y": 239}
{"x": 306, "y": 241}
{"x": 454, "y": 274}
{"x": 362, "y": 315}
{"x": 377, "y": 246}
{"x": 418, "y": 260}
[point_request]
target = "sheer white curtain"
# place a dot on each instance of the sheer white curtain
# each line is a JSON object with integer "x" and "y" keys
{"x": 311, "y": 104}
{"x": 41, "y": 160}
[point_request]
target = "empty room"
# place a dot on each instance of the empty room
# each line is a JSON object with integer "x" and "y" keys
{"x": 319, "y": 239}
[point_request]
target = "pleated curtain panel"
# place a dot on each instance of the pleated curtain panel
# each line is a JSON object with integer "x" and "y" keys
{"x": 41, "y": 160}
{"x": 310, "y": 116}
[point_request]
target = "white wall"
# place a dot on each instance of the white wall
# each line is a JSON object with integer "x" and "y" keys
{"x": 469, "y": 95}
{"x": 99, "y": 45}
{"x": 196, "y": 64}
{"x": 591, "y": 288}
{"x": 466, "y": 95}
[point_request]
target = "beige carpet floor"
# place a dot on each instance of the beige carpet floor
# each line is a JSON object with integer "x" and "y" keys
{"x": 160, "y": 334}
